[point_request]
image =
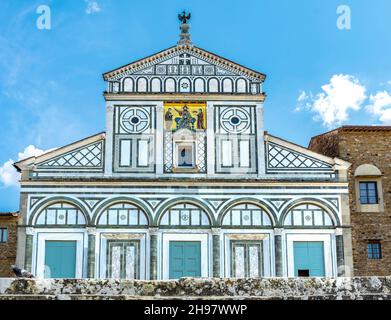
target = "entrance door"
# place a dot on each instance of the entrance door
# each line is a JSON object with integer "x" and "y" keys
{"x": 309, "y": 259}
{"x": 60, "y": 259}
{"x": 185, "y": 259}
{"x": 123, "y": 259}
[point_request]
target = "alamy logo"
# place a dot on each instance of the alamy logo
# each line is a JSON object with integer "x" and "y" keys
{"x": 344, "y": 20}
{"x": 44, "y": 20}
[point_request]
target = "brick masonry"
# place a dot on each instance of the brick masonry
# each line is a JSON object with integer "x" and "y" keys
{"x": 364, "y": 145}
{"x": 8, "y": 250}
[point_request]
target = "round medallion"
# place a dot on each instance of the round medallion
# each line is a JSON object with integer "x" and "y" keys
{"x": 235, "y": 120}
{"x": 122, "y": 217}
{"x": 135, "y": 120}
{"x": 185, "y": 217}
{"x": 61, "y": 217}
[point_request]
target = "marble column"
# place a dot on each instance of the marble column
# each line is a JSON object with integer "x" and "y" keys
{"x": 216, "y": 252}
{"x": 153, "y": 232}
{"x": 91, "y": 252}
{"x": 278, "y": 252}
{"x": 340, "y": 253}
{"x": 29, "y": 249}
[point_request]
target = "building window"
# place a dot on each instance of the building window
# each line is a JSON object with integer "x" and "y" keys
{"x": 368, "y": 192}
{"x": 3, "y": 235}
{"x": 374, "y": 250}
{"x": 185, "y": 157}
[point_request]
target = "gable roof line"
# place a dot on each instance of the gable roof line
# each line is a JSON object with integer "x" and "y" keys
{"x": 313, "y": 154}
{"x": 209, "y": 55}
{"x": 57, "y": 152}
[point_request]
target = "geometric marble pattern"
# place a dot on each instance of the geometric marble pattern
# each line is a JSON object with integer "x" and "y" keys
{"x": 280, "y": 157}
{"x": 89, "y": 156}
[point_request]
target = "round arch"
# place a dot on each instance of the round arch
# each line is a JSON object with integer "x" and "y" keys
{"x": 45, "y": 203}
{"x": 259, "y": 203}
{"x": 311, "y": 201}
{"x": 367, "y": 170}
{"x": 183, "y": 200}
{"x": 110, "y": 202}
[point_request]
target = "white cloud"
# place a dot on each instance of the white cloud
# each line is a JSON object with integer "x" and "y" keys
{"x": 92, "y": 7}
{"x": 342, "y": 94}
{"x": 380, "y": 106}
{"x": 8, "y": 174}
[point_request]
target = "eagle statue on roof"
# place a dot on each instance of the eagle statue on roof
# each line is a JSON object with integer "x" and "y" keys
{"x": 183, "y": 17}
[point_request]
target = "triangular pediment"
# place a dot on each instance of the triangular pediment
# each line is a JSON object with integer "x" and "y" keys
{"x": 186, "y": 61}
{"x": 284, "y": 157}
{"x": 86, "y": 154}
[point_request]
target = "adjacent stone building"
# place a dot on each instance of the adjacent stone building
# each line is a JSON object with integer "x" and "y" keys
{"x": 368, "y": 148}
{"x": 8, "y": 234}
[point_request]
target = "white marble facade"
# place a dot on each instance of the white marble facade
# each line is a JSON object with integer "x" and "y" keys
{"x": 128, "y": 202}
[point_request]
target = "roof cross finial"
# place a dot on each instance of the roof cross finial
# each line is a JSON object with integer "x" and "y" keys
{"x": 184, "y": 36}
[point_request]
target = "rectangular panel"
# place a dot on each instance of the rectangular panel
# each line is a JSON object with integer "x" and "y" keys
{"x": 125, "y": 152}
{"x": 309, "y": 258}
{"x": 185, "y": 259}
{"x": 244, "y": 156}
{"x": 239, "y": 261}
{"x": 253, "y": 263}
{"x": 60, "y": 259}
{"x": 130, "y": 265}
{"x": 226, "y": 153}
{"x": 116, "y": 262}
{"x": 143, "y": 153}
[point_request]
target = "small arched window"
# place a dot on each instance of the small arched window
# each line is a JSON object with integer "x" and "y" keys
{"x": 170, "y": 85}
{"x": 308, "y": 215}
{"x": 246, "y": 215}
{"x": 142, "y": 85}
{"x": 185, "y": 215}
{"x": 61, "y": 214}
{"x": 122, "y": 214}
{"x": 199, "y": 85}
{"x": 128, "y": 85}
{"x": 155, "y": 85}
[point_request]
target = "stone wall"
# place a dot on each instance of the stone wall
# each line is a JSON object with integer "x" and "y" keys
{"x": 190, "y": 288}
{"x": 370, "y": 145}
{"x": 8, "y": 250}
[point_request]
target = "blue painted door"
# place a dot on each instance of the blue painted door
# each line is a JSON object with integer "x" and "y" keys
{"x": 309, "y": 258}
{"x": 185, "y": 259}
{"x": 60, "y": 259}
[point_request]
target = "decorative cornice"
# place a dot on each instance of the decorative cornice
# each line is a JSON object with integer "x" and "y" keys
{"x": 172, "y": 51}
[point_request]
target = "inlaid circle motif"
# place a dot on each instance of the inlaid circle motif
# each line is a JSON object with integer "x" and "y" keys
{"x": 135, "y": 120}
{"x": 235, "y": 120}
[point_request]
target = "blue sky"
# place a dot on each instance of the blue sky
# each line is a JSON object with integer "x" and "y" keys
{"x": 51, "y": 80}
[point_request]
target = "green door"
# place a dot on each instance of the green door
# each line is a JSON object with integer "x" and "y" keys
{"x": 309, "y": 258}
{"x": 60, "y": 259}
{"x": 185, "y": 259}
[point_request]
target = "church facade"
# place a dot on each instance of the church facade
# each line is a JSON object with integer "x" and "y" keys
{"x": 184, "y": 182}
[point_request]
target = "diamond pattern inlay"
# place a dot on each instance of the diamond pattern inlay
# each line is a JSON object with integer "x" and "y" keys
{"x": 283, "y": 158}
{"x": 89, "y": 156}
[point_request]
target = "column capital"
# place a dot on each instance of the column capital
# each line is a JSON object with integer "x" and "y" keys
{"x": 91, "y": 231}
{"x": 338, "y": 231}
{"x": 278, "y": 231}
{"x": 153, "y": 231}
{"x": 216, "y": 231}
{"x": 30, "y": 231}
